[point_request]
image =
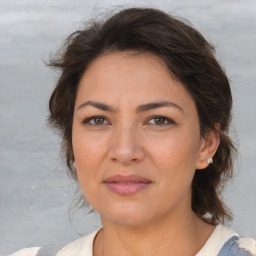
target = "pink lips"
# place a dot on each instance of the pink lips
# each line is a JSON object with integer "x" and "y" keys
{"x": 126, "y": 185}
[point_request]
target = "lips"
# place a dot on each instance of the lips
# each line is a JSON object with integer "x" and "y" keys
{"x": 126, "y": 185}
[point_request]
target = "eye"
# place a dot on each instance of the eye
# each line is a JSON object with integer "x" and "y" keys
{"x": 95, "y": 121}
{"x": 160, "y": 121}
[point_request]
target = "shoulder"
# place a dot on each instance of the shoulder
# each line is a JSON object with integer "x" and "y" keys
{"x": 226, "y": 242}
{"x": 80, "y": 247}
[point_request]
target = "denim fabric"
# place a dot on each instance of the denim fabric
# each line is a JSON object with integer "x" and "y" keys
{"x": 231, "y": 248}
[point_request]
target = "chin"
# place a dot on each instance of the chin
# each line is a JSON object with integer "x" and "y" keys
{"x": 128, "y": 221}
{"x": 126, "y": 216}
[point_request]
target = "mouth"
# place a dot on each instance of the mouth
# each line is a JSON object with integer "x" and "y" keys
{"x": 126, "y": 185}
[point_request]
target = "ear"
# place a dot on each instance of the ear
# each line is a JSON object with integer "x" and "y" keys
{"x": 208, "y": 148}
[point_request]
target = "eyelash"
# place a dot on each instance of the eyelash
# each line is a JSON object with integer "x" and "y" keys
{"x": 89, "y": 119}
{"x": 169, "y": 120}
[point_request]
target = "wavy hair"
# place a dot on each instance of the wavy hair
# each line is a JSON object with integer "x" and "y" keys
{"x": 187, "y": 54}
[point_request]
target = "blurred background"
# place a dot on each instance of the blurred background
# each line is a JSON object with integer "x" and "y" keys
{"x": 35, "y": 193}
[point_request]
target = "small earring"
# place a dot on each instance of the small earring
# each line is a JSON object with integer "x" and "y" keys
{"x": 210, "y": 161}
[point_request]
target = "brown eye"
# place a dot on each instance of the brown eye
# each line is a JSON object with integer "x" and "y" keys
{"x": 95, "y": 121}
{"x": 161, "y": 121}
{"x": 98, "y": 120}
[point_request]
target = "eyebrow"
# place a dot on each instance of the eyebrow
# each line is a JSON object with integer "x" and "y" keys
{"x": 141, "y": 108}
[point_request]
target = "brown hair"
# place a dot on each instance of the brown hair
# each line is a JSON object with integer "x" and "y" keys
{"x": 188, "y": 56}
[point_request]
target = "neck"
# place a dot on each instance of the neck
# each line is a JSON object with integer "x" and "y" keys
{"x": 180, "y": 235}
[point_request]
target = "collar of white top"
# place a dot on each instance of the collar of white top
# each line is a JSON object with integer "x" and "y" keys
{"x": 215, "y": 242}
{"x": 84, "y": 245}
{"x": 80, "y": 247}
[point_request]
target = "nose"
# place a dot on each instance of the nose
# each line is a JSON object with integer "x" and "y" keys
{"x": 126, "y": 147}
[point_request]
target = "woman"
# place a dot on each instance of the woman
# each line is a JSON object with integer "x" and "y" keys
{"x": 144, "y": 110}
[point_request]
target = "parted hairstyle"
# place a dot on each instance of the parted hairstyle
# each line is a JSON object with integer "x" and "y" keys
{"x": 188, "y": 56}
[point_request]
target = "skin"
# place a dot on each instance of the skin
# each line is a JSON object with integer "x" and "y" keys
{"x": 167, "y": 151}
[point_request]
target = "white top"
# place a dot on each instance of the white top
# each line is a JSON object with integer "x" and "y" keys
{"x": 215, "y": 242}
{"x": 84, "y": 246}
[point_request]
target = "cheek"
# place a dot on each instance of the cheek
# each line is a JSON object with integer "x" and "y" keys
{"x": 178, "y": 150}
{"x": 87, "y": 149}
{"x": 175, "y": 160}
{"x": 87, "y": 155}
{"x": 86, "y": 166}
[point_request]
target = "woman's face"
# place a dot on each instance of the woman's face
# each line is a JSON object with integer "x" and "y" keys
{"x": 136, "y": 139}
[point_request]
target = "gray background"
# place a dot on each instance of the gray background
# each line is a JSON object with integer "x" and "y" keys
{"x": 34, "y": 191}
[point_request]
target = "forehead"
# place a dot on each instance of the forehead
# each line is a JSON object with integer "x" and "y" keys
{"x": 131, "y": 77}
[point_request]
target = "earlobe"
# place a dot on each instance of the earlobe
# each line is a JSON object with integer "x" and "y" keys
{"x": 209, "y": 146}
